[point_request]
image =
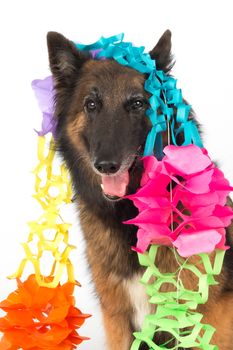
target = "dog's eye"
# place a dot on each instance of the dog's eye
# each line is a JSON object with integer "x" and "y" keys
{"x": 136, "y": 104}
{"x": 90, "y": 105}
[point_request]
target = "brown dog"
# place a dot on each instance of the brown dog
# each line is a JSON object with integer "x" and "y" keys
{"x": 101, "y": 132}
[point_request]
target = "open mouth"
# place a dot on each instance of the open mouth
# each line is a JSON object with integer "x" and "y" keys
{"x": 112, "y": 198}
{"x": 115, "y": 187}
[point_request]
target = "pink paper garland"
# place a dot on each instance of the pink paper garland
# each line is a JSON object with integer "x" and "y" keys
{"x": 192, "y": 216}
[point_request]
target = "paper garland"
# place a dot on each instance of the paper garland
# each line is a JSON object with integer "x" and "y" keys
{"x": 49, "y": 220}
{"x": 41, "y": 318}
{"x": 41, "y": 313}
{"x": 191, "y": 214}
{"x": 182, "y": 204}
{"x": 175, "y": 312}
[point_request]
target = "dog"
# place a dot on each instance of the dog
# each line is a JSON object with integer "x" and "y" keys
{"x": 101, "y": 131}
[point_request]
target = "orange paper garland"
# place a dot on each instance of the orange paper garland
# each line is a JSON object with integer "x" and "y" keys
{"x": 41, "y": 317}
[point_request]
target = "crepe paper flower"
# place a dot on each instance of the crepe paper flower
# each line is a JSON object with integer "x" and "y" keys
{"x": 182, "y": 202}
{"x": 43, "y": 89}
{"x": 41, "y": 318}
{"x": 44, "y": 92}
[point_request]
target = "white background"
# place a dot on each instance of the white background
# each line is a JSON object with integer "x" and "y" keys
{"x": 203, "y": 47}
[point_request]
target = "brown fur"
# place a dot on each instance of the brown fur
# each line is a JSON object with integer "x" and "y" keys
{"x": 114, "y": 300}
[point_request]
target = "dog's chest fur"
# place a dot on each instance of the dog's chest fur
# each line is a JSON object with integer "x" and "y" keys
{"x": 138, "y": 299}
{"x": 114, "y": 266}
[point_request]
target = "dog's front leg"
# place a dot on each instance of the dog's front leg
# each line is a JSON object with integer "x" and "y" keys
{"x": 118, "y": 331}
{"x": 116, "y": 310}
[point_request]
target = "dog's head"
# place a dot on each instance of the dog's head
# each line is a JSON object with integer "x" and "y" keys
{"x": 101, "y": 111}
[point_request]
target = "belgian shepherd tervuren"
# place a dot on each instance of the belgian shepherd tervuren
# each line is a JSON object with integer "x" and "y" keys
{"x": 102, "y": 127}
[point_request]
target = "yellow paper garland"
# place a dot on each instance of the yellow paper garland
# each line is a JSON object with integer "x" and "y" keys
{"x": 49, "y": 220}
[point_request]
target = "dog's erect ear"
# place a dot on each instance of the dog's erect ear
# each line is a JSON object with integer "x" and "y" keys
{"x": 65, "y": 59}
{"x": 161, "y": 53}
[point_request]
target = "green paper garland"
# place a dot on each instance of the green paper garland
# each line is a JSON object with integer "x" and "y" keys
{"x": 171, "y": 315}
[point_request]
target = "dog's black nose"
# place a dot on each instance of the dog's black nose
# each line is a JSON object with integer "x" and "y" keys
{"x": 106, "y": 167}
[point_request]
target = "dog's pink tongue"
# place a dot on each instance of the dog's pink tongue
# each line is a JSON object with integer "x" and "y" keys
{"x": 115, "y": 185}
